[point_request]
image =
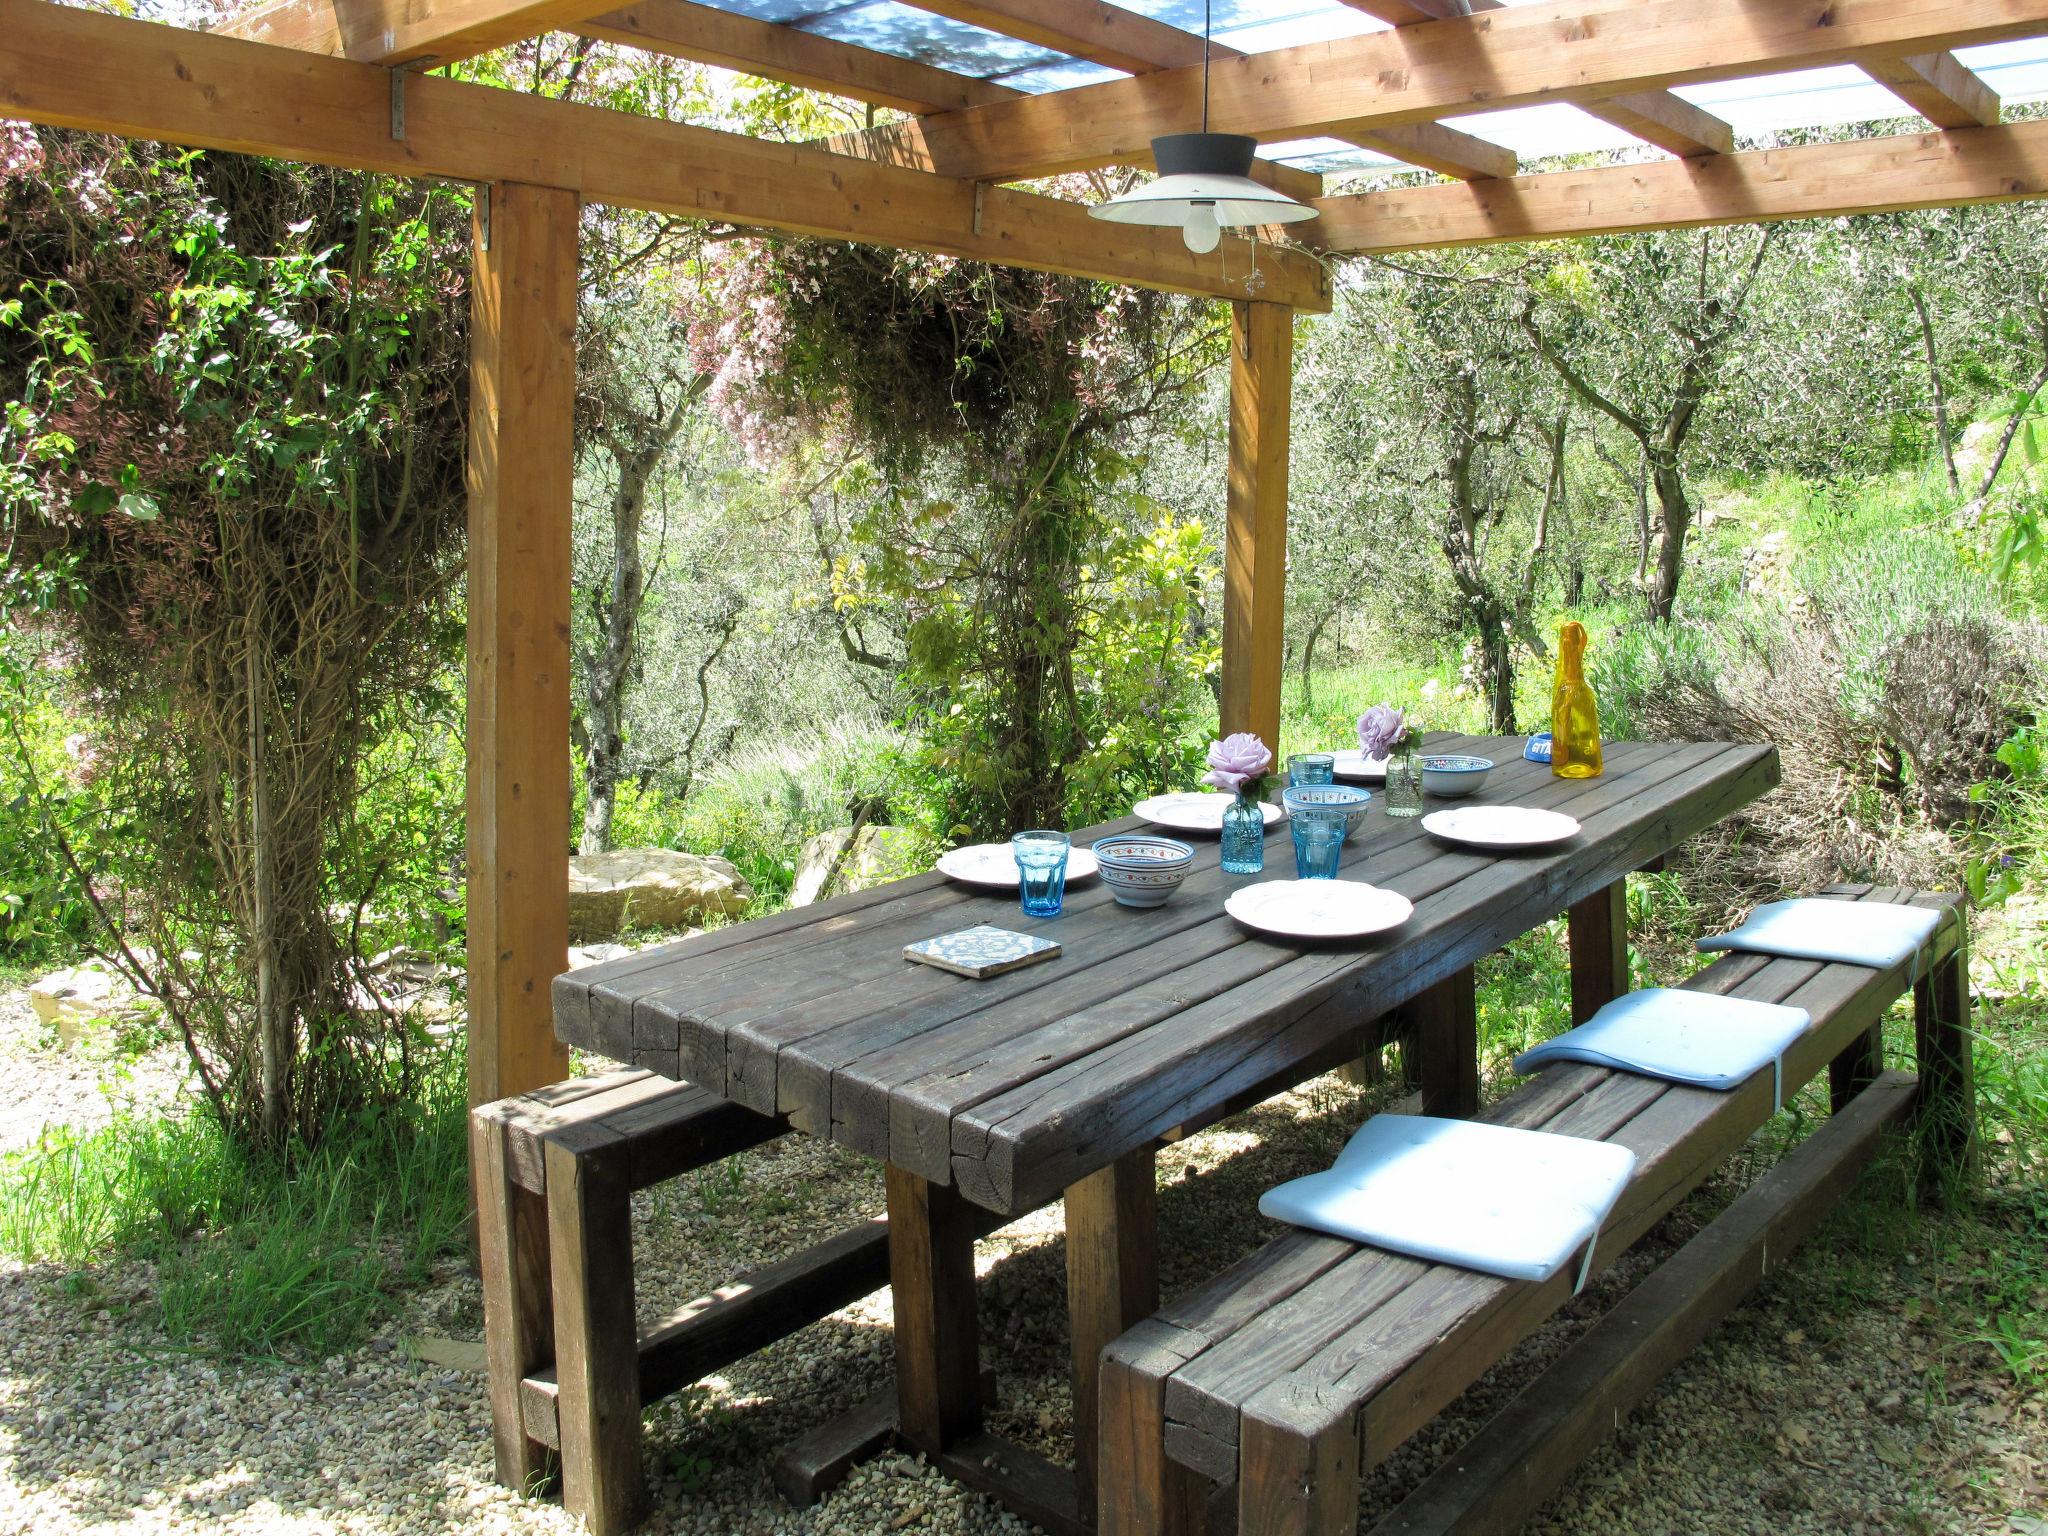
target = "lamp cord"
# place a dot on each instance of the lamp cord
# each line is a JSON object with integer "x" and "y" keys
{"x": 1206, "y": 29}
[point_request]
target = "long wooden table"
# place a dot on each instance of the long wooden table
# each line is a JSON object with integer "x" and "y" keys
{"x": 1062, "y": 1078}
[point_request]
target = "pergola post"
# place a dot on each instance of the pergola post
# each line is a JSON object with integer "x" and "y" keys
{"x": 1255, "y": 552}
{"x": 521, "y": 459}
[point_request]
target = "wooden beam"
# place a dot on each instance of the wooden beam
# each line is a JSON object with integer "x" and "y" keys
{"x": 1940, "y": 87}
{"x": 79, "y": 69}
{"x": 1437, "y": 147}
{"x": 1922, "y": 170}
{"x": 522, "y": 454}
{"x": 1123, "y": 39}
{"x": 1575, "y": 51}
{"x": 1670, "y": 122}
{"x": 1657, "y": 117}
{"x": 402, "y": 31}
{"x": 903, "y": 144}
{"x": 1104, "y": 34}
{"x": 706, "y": 35}
{"x": 1255, "y": 551}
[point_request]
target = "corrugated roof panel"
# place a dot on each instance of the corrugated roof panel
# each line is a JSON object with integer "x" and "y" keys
{"x": 1814, "y": 98}
{"x": 889, "y": 27}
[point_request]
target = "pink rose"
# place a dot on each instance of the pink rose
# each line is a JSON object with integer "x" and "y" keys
{"x": 1236, "y": 761}
{"x": 1379, "y": 729}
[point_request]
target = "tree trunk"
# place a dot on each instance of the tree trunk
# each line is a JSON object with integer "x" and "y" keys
{"x": 2021, "y": 414}
{"x": 606, "y": 669}
{"x": 1308, "y": 658}
{"x": 1676, "y": 513}
{"x": 273, "y": 1001}
{"x": 1948, "y": 448}
{"x": 1497, "y": 653}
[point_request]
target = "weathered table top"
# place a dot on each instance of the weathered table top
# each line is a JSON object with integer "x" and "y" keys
{"x": 1015, "y": 1087}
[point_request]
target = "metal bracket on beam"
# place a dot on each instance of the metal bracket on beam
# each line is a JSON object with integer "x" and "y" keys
{"x": 398, "y": 74}
{"x": 980, "y": 196}
{"x": 483, "y": 214}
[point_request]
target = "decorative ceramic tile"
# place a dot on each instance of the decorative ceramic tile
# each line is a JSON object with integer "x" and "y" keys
{"x": 981, "y": 951}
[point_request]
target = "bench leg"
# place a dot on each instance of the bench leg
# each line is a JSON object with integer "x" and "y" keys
{"x": 1295, "y": 1484}
{"x": 1858, "y": 1066}
{"x": 512, "y": 1254}
{"x": 1112, "y": 1282}
{"x": 1948, "y": 1079}
{"x": 931, "y": 1281}
{"x": 1445, "y": 1021}
{"x": 1142, "y": 1491}
{"x": 1597, "y": 929}
{"x": 597, "y": 1346}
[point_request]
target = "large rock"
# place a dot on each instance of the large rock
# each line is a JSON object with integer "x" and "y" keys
{"x": 649, "y": 888}
{"x": 835, "y": 862}
{"x": 1978, "y": 446}
{"x": 72, "y": 998}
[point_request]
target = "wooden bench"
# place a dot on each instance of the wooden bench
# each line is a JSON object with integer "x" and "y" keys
{"x": 1267, "y": 1392}
{"x": 570, "y": 1371}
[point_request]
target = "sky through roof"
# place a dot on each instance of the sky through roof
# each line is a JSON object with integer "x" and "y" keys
{"x": 1813, "y": 98}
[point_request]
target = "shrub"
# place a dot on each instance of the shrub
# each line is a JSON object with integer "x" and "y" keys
{"x": 254, "y": 1253}
{"x": 233, "y": 419}
{"x": 1888, "y": 681}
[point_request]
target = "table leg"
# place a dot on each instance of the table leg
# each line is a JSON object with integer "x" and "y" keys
{"x": 1598, "y": 931}
{"x": 1112, "y": 1283}
{"x": 931, "y": 1278}
{"x": 1445, "y": 1021}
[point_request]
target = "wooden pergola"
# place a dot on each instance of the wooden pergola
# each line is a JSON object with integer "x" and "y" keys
{"x": 340, "y": 82}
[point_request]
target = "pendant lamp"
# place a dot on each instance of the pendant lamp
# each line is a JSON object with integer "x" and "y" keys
{"x": 1204, "y": 184}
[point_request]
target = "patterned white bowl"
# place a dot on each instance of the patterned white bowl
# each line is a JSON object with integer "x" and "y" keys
{"x": 1143, "y": 871}
{"x": 1451, "y": 776}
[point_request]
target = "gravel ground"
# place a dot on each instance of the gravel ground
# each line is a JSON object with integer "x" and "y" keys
{"x": 1837, "y": 1401}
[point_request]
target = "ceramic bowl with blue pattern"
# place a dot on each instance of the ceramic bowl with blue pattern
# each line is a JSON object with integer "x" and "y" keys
{"x": 1449, "y": 776}
{"x": 1327, "y": 799}
{"x": 1143, "y": 871}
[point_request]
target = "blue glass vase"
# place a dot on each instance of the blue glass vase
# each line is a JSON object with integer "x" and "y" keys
{"x": 1244, "y": 837}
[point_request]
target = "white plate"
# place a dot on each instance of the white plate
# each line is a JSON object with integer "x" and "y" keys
{"x": 994, "y": 866}
{"x": 1318, "y": 909}
{"x": 1356, "y": 765}
{"x": 1500, "y": 826}
{"x": 1195, "y": 810}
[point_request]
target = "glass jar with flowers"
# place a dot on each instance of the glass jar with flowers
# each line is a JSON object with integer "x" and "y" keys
{"x": 1384, "y": 732}
{"x": 1238, "y": 765}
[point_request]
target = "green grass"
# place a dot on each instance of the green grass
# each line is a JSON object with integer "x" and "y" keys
{"x": 252, "y": 1256}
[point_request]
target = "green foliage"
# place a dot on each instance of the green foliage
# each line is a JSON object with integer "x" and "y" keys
{"x": 44, "y": 916}
{"x": 760, "y": 807}
{"x": 233, "y": 428}
{"x": 253, "y": 1253}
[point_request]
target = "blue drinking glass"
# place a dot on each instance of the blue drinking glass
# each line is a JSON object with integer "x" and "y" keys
{"x": 1311, "y": 768}
{"x": 1318, "y": 843}
{"x": 1041, "y": 871}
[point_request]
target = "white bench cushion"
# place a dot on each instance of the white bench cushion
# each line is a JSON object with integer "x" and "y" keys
{"x": 1486, "y": 1197}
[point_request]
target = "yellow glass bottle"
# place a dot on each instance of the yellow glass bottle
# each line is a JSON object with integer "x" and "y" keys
{"x": 1574, "y": 717}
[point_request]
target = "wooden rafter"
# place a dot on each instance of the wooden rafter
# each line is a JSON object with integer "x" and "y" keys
{"x": 1656, "y": 117}
{"x": 1123, "y": 39}
{"x": 82, "y": 69}
{"x": 1559, "y": 50}
{"x": 1922, "y": 170}
{"x": 903, "y": 144}
{"x": 402, "y": 31}
{"x": 708, "y": 35}
{"x": 1940, "y": 87}
{"x": 1087, "y": 29}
